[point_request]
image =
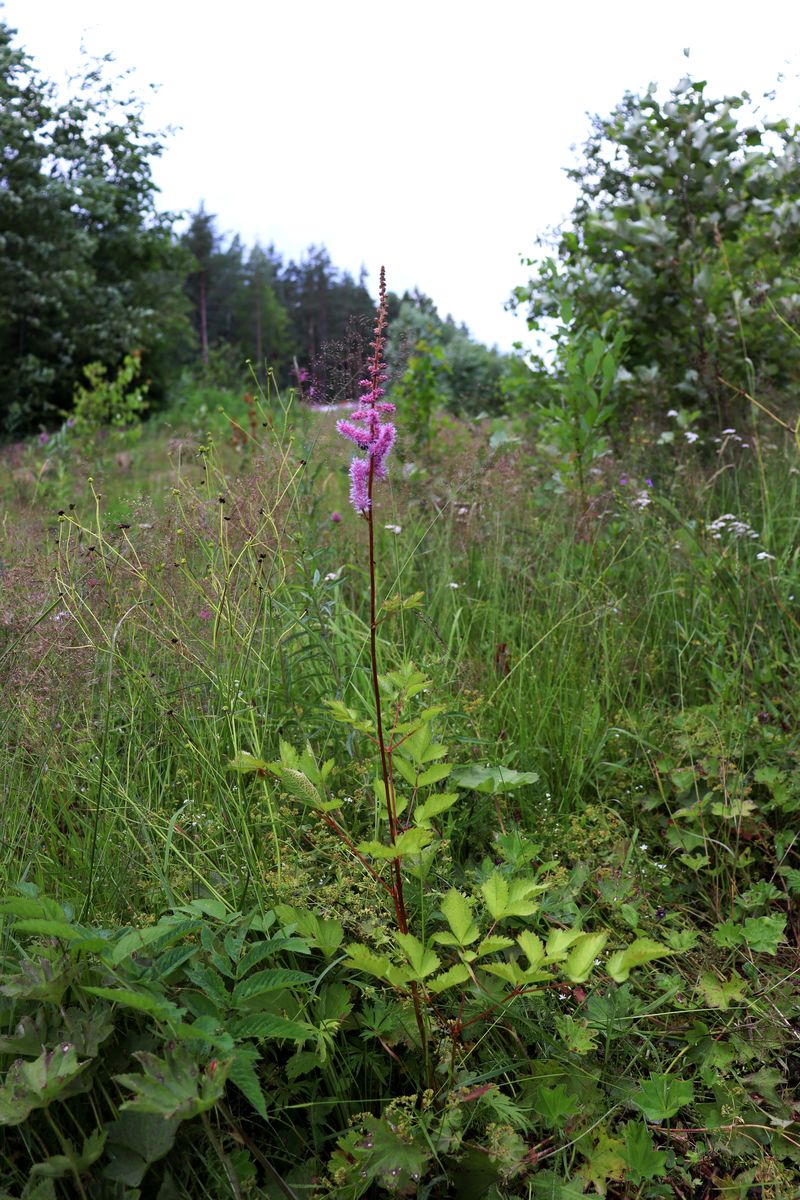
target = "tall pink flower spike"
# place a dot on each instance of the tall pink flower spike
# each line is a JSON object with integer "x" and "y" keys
{"x": 368, "y": 428}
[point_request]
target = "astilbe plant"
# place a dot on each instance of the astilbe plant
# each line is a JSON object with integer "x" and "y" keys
{"x": 374, "y": 434}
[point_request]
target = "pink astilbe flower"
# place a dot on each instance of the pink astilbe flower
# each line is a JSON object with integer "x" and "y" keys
{"x": 367, "y": 428}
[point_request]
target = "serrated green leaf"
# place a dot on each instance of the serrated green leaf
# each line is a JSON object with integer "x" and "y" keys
{"x": 409, "y": 842}
{"x": 31, "y": 1085}
{"x": 269, "y": 1025}
{"x": 244, "y": 1076}
{"x": 434, "y": 774}
{"x": 32, "y": 907}
{"x": 493, "y": 943}
{"x": 41, "y": 980}
{"x": 509, "y": 971}
{"x": 495, "y": 895}
{"x": 643, "y": 950}
{"x": 642, "y": 1159}
{"x": 764, "y": 934}
{"x": 438, "y": 803}
{"x": 555, "y": 1104}
{"x": 403, "y": 602}
{"x": 662, "y": 1096}
{"x": 175, "y": 1085}
{"x": 156, "y": 1006}
{"x": 405, "y": 769}
{"x": 243, "y": 761}
{"x": 49, "y": 928}
{"x": 271, "y": 979}
{"x": 720, "y": 993}
{"x": 458, "y": 914}
{"x": 421, "y": 958}
{"x": 581, "y": 961}
{"x": 453, "y": 977}
{"x": 366, "y": 960}
{"x": 559, "y": 942}
{"x": 533, "y": 949}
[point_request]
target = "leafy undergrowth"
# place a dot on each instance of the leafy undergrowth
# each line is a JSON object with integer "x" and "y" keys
{"x": 593, "y": 729}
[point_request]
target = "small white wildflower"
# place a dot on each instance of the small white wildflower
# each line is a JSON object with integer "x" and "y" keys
{"x": 762, "y": 554}
{"x": 691, "y": 436}
{"x": 329, "y": 578}
{"x": 394, "y": 528}
{"x": 643, "y": 845}
{"x": 454, "y": 585}
{"x": 728, "y": 431}
{"x": 672, "y": 412}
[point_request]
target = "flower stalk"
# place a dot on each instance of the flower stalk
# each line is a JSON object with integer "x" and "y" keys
{"x": 374, "y": 434}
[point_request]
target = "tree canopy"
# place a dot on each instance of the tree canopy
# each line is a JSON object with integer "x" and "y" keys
{"x": 89, "y": 269}
{"x": 686, "y": 231}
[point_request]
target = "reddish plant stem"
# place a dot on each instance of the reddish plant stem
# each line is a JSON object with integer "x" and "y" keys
{"x": 386, "y": 768}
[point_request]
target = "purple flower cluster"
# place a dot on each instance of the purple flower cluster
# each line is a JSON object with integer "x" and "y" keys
{"x": 368, "y": 427}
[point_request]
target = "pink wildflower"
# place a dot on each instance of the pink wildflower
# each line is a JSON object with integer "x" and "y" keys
{"x": 367, "y": 427}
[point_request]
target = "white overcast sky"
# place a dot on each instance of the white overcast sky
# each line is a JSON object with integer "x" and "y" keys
{"x": 429, "y": 135}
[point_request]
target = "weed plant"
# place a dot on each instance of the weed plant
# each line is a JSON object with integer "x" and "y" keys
{"x": 447, "y": 852}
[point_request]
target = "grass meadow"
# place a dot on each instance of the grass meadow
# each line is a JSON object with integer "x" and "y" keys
{"x": 593, "y": 704}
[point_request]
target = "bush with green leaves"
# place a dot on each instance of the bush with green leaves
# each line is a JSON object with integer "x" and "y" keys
{"x": 686, "y": 221}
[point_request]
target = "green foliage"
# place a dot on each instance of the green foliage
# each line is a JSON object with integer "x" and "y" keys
{"x": 685, "y": 220}
{"x": 599, "y": 923}
{"x": 104, "y": 402}
{"x": 573, "y": 426}
{"x": 89, "y": 270}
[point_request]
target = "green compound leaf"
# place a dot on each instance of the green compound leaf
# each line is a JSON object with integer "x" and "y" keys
{"x": 533, "y": 949}
{"x": 662, "y": 1096}
{"x": 504, "y": 899}
{"x": 175, "y": 1085}
{"x": 410, "y": 842}
{"x": 393, "y": 603}
{"x": 434, "y": 774}
{"x": 643, "y": 950}
{"x": 268, "y": 1025}
{"x": 559, "y": 942}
